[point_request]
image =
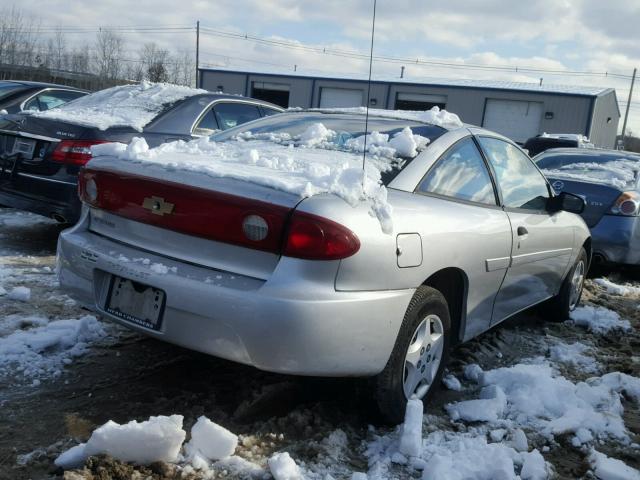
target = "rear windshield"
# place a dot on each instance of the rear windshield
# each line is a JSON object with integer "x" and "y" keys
{"x": 552, "y": 160}
{"x": 617, "y": 169}
{"x": 396, "y": 142}
{"x": 8, "y": 89}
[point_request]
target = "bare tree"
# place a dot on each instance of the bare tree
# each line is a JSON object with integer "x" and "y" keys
{"x": 108, "y": 56}
{"x": 18, "y": 37}
{"x": 154, "y": 62}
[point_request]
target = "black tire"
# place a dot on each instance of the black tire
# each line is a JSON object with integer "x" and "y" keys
{"x": 389, "y": 384}
{"x": 558, "y": 308}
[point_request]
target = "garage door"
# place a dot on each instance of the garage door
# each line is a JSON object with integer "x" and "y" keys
{"x": 515, "y": 119}
{"x": 340, "y": 97}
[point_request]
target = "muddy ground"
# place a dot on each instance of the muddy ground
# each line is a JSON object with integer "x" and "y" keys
{"x": 128, "y": 376}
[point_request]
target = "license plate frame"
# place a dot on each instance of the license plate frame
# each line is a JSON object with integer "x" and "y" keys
{"x": 24, "y": 146}
{"x": 132, "y": 302}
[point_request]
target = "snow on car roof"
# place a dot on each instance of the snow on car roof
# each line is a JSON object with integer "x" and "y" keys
{"x": 435, "y": 116}
{"x": 124, "y": 106}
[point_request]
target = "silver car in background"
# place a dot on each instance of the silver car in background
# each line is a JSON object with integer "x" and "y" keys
{"x": 478, "y": 235}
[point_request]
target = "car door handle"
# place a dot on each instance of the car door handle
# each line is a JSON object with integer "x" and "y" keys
{"x": 522, "y": 231}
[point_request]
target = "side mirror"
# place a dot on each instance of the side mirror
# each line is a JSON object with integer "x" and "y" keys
{"x": 567, "y": 202}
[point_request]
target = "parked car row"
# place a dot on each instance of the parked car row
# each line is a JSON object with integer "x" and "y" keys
{"x": 271, "y": 244}
{"x": 42, "y": 153}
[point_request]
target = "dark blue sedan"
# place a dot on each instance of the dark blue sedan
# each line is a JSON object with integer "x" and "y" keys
{"x": 609, "y": 182}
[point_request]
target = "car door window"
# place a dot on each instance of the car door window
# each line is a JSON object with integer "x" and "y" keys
{"x": 521, "y": 183}
{"x": 231, "y": 114}
{"x": 461, "y": 173}
{"x": 51, "y": 99}
{"x": 207, "y": 125}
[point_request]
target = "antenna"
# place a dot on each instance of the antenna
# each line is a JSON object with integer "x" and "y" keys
{"x": 366, "y": 118}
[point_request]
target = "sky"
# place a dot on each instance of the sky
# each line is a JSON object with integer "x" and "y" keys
{"x": 561, "y": 35}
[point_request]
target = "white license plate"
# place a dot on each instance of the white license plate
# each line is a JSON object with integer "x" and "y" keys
{"x": 24, "y": 146}
{"x": 135, "y": 302}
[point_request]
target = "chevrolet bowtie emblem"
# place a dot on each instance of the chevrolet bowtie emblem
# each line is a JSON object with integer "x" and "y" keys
{"x": 157, "y": 205}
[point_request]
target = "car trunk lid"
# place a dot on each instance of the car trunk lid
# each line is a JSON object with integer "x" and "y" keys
{"x": 221, "y": 223}
{"x": 598, "y": 198}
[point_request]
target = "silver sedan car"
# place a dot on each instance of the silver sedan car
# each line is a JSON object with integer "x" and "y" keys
{"x": 313, "y": 286}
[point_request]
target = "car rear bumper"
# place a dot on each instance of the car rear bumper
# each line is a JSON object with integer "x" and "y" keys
{"x": 617, "y": 239}
{"x": 41, "y": 195}
{"x": 291, "y": 327}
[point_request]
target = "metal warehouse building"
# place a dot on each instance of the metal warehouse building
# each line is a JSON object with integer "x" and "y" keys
{"x": 517, "y": 110}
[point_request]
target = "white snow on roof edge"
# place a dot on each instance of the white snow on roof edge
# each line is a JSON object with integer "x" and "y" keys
{"x": 435, "y": 116}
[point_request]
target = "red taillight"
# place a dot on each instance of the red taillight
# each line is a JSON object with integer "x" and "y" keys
{"x": 627, "y": 204}
{"x": 317, "y": 238}
{"x": 74, "y": 152}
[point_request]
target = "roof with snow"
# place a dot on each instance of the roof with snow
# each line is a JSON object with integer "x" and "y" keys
{"x": 584, "y": 91}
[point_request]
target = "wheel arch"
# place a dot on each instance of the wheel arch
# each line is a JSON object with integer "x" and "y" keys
{"x": 453, "y": 283}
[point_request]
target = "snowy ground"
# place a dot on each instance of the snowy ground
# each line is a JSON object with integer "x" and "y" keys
{"x": 528, "y": 399}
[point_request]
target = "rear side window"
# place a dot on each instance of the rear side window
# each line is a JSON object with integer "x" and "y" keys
{"x": 520, "y": 182}
{"x": 461, "y": 173}
{"x": 51, "y": 99}
{"x": 230, "y": 114}
{"x": 269, "y": 111}
{"x": 207, "y": 124}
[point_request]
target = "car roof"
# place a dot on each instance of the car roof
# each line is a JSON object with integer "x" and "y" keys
{"x": 228, "y": 96}
{"x": 28, "y": 83}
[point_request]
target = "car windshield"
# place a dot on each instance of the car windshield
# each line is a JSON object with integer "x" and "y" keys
{"x": 7, "y": 89}
{"x": 391, "y": 143}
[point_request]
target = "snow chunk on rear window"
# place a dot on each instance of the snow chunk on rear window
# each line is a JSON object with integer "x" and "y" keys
{"x": 124, "y": 106}
{"x": 291, "y": 168}
{"x": 435, "y": 116}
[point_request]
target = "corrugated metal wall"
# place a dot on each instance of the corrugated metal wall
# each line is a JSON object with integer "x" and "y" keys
{"x": 562, "y": 113}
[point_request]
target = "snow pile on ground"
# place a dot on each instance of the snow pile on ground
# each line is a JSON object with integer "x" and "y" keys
{"x": 124, "y": 106}
{"x": 616, "y": 288}
{"x": 209, "y": 442}
{"x": 435, "y": 116}
{"x": 301, "y": 171}
{"x": 452, "y": 383}
{"x": 606, "y": 468}
{"x": 598, "y": 319}
{"x": 157, "y": 439}
{"x": 575, "y": 354}
{"x": 47, "y": 346}
{"x": 451, "y": 455}
{"x": 283, "y": 467}
{"x": 22, "y": 294}
{"x": 534, "y": 395}
{"x": 618, "y": 173}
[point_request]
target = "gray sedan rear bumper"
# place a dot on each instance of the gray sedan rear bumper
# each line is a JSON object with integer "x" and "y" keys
{"x": 274, "y": 326}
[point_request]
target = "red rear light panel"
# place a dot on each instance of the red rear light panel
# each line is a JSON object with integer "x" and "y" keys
{"x": 217, "y": 216}
{"x": 74, "y": 152}
{"x": 186, "y": 209}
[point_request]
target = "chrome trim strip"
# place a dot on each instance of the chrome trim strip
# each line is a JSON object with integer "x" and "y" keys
{"x": 30, "y": 135}
{"x": 38, "y": 177}
{"x": 537, "y": 256}
{"x": 493, "y": 264}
